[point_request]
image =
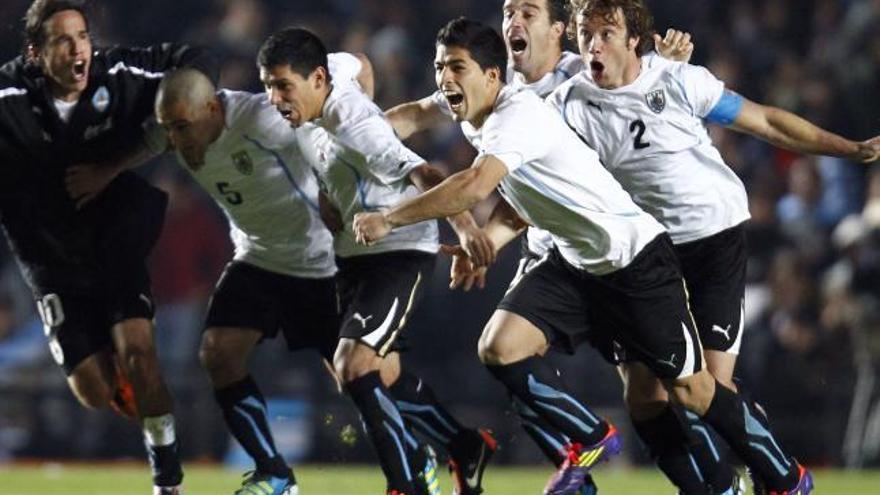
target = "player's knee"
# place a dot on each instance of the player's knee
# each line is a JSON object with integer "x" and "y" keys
{"x": 348, "y": 370}
{"x": 487, "y": 354}
{"x": 93, "y": 394}
{"x": 353, "y": 361}
{"x": 135, "y": 355}
{"x": 645, "y": 401}
{"x": 136, "y": 348}
{"x": 498, "y": 351}
{"x": 694, "y": 392}
{"x": 213, "y": 354}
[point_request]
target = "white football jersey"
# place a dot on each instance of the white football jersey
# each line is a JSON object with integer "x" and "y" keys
{"x": 363, "y": 166}
{"x": 257, "y": 175}
{"x": 569, "y": 64}
{"x": 651, "y": 135}
{"x": 556, "y": 183}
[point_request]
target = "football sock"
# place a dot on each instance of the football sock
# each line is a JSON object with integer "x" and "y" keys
{"x": 537, "y": 385}
{"x": 550, "y": 440}
{"x": 712, "y": 462}
{"x": 160, "y": 440}
{"x": 244, "y": 410}
{"x": 672, "y": 444}
{"x": 737, "y": 422}
{"x": 386, "y": 430}
{"x": 422, "y": 412}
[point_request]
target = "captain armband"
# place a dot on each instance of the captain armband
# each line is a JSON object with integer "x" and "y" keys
{"x": 727, "y": 109}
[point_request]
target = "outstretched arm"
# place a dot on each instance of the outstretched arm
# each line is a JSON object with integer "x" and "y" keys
{"x": 786, "y": 130}
{"x": 458, "y": 193}
{"x": 470, "y": 236}
{"x": 415, "y": 116}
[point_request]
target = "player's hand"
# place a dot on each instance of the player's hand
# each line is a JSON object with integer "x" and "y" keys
{"x": 869, "y": 151}
{"x": 477, "y": 245}
{"x": 85, "y": 181}
{"x": 463, "y": 273}
{"x": 676, "y": 45}
{"x": 370, "y": 227}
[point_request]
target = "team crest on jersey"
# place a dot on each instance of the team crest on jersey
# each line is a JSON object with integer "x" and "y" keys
{"x": 101, "y": 99}
{"x": 242, "y": 162}
{"x": 656, "y": 100}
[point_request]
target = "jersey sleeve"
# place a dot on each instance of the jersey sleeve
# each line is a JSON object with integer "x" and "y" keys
{"x": 387, "y": 158}
{"x": 344, "y": 66}
{"x": 157, "y": 59}
{"x": 513, "y": 139}
{"x": 700, "y": 88}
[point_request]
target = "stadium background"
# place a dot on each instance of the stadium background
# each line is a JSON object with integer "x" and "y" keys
{"x": 812, "y": 346}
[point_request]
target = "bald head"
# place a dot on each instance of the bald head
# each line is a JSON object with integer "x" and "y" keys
{"x": 185, "y": 86}
{"x": 188, "y": 108}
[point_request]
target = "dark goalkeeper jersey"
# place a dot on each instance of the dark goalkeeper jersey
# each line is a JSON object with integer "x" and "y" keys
{"x": 58, "y": 247}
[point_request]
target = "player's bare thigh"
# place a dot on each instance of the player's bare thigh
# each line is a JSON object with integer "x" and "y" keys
{"x": 721, "y": 365}
{"x": 224, "y": 353}
{"x": 93, "y": 381}
{"x": 508, "y": 338}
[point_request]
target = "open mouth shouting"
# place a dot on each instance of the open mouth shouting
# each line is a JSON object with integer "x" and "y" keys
{"x": 288, "y": 115}
{"x": 80, "y": 70}
{"x": 597, "y": 69}
{"x": 518, "y": 44}
{"x": 455, "y": 100}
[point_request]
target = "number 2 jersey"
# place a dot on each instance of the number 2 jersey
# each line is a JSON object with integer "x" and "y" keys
{"x": 556, "y": 183}
{"x": 652, "y": 137}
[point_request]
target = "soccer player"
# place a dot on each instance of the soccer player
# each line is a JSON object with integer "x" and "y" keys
{"x": 64, "y": 103}
{"x": 644, "y": 116}
{"x": 363, "y": 166}
{"x": 534, "y": 32}
{"x": 608, "y": 253}
{"x": 238, "y": 149}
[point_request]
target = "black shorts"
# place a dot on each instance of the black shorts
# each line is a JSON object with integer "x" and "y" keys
{"x": 78, "y": 326}
{"x": 378, "y": 294}
{"x": 643, "y": 310}
{"x": 715, "y": 271}
{"x": 539, "y": 294}
{"x": 304, "y": 309}
{"x": 640, "y": 311}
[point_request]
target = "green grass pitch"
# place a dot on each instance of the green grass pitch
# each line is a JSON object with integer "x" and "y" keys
{"x": 129, "y": 479}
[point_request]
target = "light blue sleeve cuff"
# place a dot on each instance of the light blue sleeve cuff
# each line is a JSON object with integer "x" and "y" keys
{"x": 727, "y": 109}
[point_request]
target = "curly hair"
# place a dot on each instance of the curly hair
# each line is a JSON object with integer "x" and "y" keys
{"x": 638, "y": 19}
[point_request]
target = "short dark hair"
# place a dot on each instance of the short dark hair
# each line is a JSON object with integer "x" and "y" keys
{"x": 299, "y": 48}
{"x": 484, "y": 43}
{"x": 558, "y": 11}
{"x": 637, "y": 18}
{"x": 40, "y": 11}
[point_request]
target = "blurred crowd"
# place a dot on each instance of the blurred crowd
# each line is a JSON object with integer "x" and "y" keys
{"x": 812, "y": 344}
